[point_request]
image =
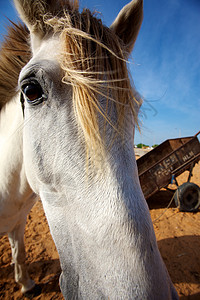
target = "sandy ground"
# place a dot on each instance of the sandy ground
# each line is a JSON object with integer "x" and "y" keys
{"x": 178, "y": 236}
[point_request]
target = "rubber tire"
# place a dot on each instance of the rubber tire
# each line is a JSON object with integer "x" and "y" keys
{"x": 187, "y": 197}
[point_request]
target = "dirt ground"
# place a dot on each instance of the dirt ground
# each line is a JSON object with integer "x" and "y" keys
{"x": 178, "y": 236}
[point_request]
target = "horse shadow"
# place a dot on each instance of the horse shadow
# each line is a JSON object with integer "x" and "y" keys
{"x": 181, "y": 257}
{"x": 45, "y": 273}
{"x": 180, "y": 254}
{"x": 161, "y": 199}
{"x": 48, "y": 273}
{"x": 191, "y": 297}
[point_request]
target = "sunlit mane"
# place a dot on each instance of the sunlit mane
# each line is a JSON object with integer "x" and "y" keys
{"x": 93, "y": 59}
{"x": 14, "y": 55}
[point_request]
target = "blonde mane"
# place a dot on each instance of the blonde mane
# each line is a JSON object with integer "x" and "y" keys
{"x": 93, "y": 59}
{"x": 15, "y": 53}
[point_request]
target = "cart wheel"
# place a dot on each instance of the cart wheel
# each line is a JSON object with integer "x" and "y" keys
{"x": 187, "y": 197}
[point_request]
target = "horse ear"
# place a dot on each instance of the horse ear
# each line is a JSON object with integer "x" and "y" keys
{"x": 32, "y": 12}
{"x": 128, "y": 22}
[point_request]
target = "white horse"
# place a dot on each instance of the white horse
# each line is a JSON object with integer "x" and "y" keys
{"x": 77, "y": 118}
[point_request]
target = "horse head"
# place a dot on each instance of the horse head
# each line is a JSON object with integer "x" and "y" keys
{"x": 80, "y": 110}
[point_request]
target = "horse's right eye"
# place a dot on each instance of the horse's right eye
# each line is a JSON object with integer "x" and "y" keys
{"x": 33, "y": 93}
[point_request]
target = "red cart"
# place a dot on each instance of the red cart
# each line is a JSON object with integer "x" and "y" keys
{"x": 160, "y": 167}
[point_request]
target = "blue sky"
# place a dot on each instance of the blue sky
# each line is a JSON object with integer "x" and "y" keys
{"x": 165, "y": 64}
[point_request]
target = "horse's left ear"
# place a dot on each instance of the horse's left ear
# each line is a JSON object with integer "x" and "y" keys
{"x": 32, "y": 12}
{"x": 128, "y": 22}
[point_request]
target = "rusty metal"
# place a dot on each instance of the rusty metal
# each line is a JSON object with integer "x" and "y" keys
{"x": 158, "y": 167}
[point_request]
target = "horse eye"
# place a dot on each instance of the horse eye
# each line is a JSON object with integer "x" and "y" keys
{"x": 33, "y": 93}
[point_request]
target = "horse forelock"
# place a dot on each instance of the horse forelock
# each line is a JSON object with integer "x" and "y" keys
{"x": 15, "y": 52}
{"x": 93, "y": 59}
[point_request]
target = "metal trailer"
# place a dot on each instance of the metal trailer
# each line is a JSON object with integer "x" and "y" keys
{"x": 160, "y": 167}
